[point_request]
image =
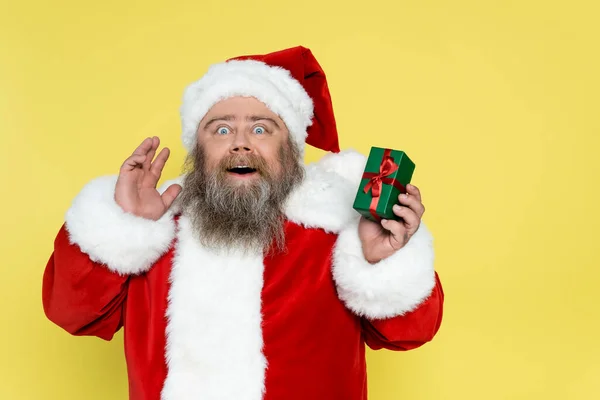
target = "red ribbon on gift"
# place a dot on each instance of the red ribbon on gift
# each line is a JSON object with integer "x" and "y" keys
{"x": 376, "y": 181}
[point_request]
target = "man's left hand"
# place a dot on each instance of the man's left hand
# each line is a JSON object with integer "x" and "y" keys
{"x": 381, "y": 240}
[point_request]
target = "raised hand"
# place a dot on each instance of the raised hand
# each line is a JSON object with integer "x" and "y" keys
{"x": 136, "y": 186}
{"x": 381, "y": 240}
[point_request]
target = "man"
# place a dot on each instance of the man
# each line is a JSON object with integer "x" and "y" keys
{"x": 251, "y": 277}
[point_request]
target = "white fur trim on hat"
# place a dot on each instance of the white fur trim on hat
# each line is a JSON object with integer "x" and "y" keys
{"x": 274, "y": 86}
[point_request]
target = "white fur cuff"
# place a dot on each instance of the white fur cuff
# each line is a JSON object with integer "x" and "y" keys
{"x": 125, "y": 243}
{"x": 391, "y": 287}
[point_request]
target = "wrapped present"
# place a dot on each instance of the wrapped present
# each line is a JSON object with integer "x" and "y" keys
{"x": 386, "y": 175}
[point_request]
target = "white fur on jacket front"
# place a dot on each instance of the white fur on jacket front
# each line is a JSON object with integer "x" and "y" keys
{"x": 214, "y": 337}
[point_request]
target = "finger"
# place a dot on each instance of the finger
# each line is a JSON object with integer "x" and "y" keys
{"x": 398, "y": 233}
{"x": 411, "y": 219}
{"x": 413, "y": 203}
{"x": 144, "y": 147}
{"x": 413, "y": 190}
{"x": 135, "y": 161}
{"x": 151, "y": 153}
{"x": 158, "y": 164}
{"x": 169, "y": 196}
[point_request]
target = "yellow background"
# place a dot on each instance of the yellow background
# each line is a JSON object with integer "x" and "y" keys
{"x": 496, "y": 101}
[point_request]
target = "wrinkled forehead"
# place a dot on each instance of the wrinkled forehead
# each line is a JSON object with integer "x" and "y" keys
{"x": 241, "y": 108}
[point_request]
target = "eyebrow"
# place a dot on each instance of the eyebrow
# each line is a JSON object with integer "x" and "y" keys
{"x": 251, "y": 118}
{"x": 254, "y": 118}
{"x": 219, "y": 118}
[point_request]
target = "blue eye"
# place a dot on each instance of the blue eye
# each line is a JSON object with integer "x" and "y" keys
{"x": 223, "y": 130}
{"x": 259, "y": 130}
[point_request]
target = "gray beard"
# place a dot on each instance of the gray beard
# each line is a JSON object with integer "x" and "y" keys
{"x": 247, "y": 216}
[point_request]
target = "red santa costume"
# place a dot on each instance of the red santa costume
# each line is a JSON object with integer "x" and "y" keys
{"x": 206, "y": 324}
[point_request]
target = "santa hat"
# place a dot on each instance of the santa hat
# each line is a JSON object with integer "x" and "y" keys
{"x": 290, "y": 82}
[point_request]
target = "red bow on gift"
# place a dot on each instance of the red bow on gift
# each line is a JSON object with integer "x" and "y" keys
{"x": 376, "y": 181}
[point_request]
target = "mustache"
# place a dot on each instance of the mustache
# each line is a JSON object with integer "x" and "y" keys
{"x": 249, "y": 160}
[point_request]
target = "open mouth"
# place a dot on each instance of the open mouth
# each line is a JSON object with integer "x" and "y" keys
{"x": 241, "y": 170}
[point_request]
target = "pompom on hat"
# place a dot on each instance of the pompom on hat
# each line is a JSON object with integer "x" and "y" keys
{"x": 290, "y": 82}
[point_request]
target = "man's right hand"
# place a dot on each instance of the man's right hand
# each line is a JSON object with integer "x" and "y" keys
{"x": 136, "y": 187}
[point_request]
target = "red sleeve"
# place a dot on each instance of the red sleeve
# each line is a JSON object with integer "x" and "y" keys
{"x": 79, "y": 295}
{"x": 408, "y": 331}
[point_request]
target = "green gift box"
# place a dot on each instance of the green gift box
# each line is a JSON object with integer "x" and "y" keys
{"x": 386, "y": 175}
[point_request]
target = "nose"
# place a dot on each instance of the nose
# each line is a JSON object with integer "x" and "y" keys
{"x": 241, "y": 144}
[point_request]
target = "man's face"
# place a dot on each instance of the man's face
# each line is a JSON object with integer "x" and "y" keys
{"x": 240, "y": 137}
{"x": 240, "y": 174}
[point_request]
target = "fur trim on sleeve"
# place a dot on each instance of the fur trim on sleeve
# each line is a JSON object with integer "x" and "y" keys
{"x": 125, "y": 243}
{"x": 391, "y": 287}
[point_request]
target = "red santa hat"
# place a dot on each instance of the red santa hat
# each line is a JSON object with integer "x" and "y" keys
{"x": 290, "y": 82}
